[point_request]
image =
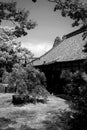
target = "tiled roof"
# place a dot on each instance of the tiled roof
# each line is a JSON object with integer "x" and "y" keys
{"x": 68, "y": 50}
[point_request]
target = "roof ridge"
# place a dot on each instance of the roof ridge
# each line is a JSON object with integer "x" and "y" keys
{"x": 76, "y": 32}
{"x": 65, "y": 37}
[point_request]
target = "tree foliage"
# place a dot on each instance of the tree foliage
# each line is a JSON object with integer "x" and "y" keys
{"x": 26, "y": 78}
{"x": 28, "y": 83}
{"x": 11, "y": 52}
{"x": 75, "y": 9}
{"x": 76, "y": 89}
{"x": 19, "y": 18}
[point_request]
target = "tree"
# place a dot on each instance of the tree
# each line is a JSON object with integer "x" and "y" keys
{"x": 29, "y": 75}
{"x": 23, "y": 55}
{"x": 27, "y": 82}
{"x": 76, "y": 10}
{"x": 76, "y": 89}
{"x": 57, "y": 41}
{"x": 19, "y": 18}
{"x": 11, "y": 51}
{"x": 16, "y": 80}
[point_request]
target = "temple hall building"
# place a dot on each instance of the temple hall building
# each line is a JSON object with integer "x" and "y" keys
{"x": 66, "y": 55}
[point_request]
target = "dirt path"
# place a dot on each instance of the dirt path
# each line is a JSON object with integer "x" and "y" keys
{"x": 30, "y": 116}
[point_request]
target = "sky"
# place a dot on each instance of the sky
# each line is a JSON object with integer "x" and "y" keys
{"x": 50, "y": 24}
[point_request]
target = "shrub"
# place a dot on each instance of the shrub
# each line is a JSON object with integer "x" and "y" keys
{"x": 16, "y": 80}
{"x": 5, "y": 77}
{"x": 34, "y": 78}
{"x": 27, "y": 81}
{"x": 76, "y": 88}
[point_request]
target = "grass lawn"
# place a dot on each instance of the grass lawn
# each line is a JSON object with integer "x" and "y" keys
{"x": 30, "y": 116}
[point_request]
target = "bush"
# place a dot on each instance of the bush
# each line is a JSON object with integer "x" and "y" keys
{"x": 73, "y": 121}
{"x": 34, "y": 78}
{"x": 5, "y": 77}
{"x": 27, "y": 81}
{"x": 76, "y": 88}
{"x": 28, "y": 76}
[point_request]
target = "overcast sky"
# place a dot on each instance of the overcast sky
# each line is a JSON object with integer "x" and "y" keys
{"x": 50, "y": 25}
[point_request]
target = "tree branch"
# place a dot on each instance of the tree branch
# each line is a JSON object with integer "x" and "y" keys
{"x": 12, "y": 22}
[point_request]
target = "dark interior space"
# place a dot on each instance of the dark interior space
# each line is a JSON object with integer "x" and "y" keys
{"x": 53, "y": 72}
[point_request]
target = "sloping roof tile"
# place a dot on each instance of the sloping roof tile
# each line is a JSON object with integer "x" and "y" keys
{"x": 68, "y": 50}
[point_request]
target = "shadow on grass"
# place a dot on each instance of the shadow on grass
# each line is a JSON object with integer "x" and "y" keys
{"x": 4, "y": 122}
{"x": 53, "y": 122}
{"x": 25, "y": 127}
{"x": 49, "y": 125}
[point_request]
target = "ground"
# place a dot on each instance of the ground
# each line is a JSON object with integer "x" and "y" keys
{"x": 30, "y": 116}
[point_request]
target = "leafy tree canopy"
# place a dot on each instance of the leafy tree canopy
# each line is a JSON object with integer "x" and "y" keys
{"x": 11, "y": 52}
{"x": 75, "y": 9}
{"x": 26, "y": 78}
{"x": 19, "y": 18}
